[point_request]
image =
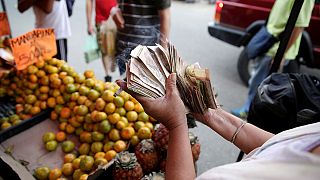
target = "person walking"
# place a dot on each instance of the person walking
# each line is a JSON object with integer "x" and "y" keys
{"x": 102, "y": 13}
{"x": 276, "y": 24}
{"x": 139, "y": 22}
{"x": 51, "y": 14}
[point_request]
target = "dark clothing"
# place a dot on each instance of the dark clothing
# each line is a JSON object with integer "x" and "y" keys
{"x": 62, "y": 49}
{"x": 142, "y": 26}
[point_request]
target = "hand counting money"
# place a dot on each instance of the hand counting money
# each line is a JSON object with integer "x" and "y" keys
{"x": 149, "y": 67}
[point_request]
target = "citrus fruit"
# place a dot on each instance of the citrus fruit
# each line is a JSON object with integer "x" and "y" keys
{"x": 68, "y": 158}
{"x": 96, "y": 147}
{"x": 122, "y": 111}
{"x": 104, "y": 126}
{"x": 67, "y": 169}
{"x": 42, "y": 173}
{"x": 84, "y": 148}
{"x": 144, "y": 133}
{"x": 110, "y": 108}
{"x": 110, "y": 154}
{"x": 61, "y": 136}
{"x": 129, "y": 105}
{"x": 127, "y": 133}
{"x": 86, "y": 163}
{"x": 143, "y": 117}
{"x": 134, "y": 140}
{"x": 76, "y": 163}
{"x": 114, "y": 118}
{"x": 51, "y": 145}
{"x": 67, "y": 146}
{"x": 114, "y": 135}
{"x": 120, "y": 146}
{"x": 118, "y": 101}
{"x": 108, "y": 146}
{"x": 77, "y": 174}
{"x": 132, "y": 116}
{"x": 48, "y": 136}
{"x": 107, "y": 95}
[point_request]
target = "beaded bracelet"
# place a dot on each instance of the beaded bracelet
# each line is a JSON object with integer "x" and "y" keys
{"x": 237, "y": 131}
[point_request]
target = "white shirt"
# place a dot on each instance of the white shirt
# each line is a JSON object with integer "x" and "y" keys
{"x": 57, "y": 19}
{"x": 285, "y": 156}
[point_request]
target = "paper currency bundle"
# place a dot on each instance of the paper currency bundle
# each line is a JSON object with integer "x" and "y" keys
{"x": 149, "y": 67}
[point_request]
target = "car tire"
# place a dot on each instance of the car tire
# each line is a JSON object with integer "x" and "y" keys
{"x": 242, "y": 66}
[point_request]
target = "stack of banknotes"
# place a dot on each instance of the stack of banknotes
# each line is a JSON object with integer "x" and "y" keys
{"x": 149, "y": 67}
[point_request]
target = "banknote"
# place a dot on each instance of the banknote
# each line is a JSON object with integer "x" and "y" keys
{"x": 149, "y": 67}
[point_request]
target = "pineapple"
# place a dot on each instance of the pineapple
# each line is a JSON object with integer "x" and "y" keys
{"x": 161, "y": 137}
{"x": 154, "y": 176}
{"x": 195, "y": 146}
{"x": 147, "y": 155}
{"x": 127, "y": 167}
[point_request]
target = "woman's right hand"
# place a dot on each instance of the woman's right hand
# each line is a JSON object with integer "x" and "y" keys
{"x": 169, "y": 109}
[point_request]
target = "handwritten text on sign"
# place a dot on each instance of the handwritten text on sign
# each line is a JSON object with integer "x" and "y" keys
{"x": 4, "y": 24}
{"x": 32, "y": 46}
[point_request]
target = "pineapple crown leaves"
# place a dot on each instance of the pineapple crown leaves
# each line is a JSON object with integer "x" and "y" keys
{"x": 126, "y": 160}
{"x": 193, "y": 138}
{"x": 154, "y": 176}
{"x": 147, "y": 145}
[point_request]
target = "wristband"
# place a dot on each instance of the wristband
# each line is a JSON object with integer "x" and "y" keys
{"x": 237, "y": 131}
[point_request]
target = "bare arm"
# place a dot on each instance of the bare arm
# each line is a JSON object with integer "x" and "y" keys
{"x": 89, "y": 9}
{"x": 170, "y": 111}
{"x": 294, "y": 35}
{"x": 225, "y": 124}
{"x": 165, "y": 16}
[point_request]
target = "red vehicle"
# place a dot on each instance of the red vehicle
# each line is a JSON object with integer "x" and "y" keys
{"x": 236, "y": 21}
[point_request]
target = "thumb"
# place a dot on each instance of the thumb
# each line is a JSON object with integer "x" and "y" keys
{"x": 171, "y": 83}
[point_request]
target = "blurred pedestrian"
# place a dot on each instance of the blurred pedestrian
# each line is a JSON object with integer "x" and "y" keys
{"x": 276, "y": 24}
{"x": 51, "y": 14}
{"x": 140, "y": 22}
{"x": 102, "y": 12}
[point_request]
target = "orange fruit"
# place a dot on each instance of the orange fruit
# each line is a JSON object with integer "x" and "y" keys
{"x": 65, "y": 112}
{"x": 138, "y": 125}
{"x": 67, "y": 169}
{"x": 86, "y": 163}
{"x": 99, "y": 161}
{"x": 110, "y": 108}
{"x": 85, "y": 137}
{"x": 33, "y": 78}
{"x": 84, "y": 177}
{"x": 99, "y": 155}
{"x": 60, "y": 100}
{"x": 108, "y": 146}
{"x": 150, "y": 126}
{"x": 114, "y": 118}
{"x": 144, "y": 133}
{"x": 129, "y": 105}
{"x": 114, "y": 134}
{"x": 138, "y": 108}
{"x": 118, "y": 101}
{"x": 35, "y": 110}
{"x": 132, "y": 116}
{"x": 127, "y": 133}
{"x": 70, "y": 129}
{"x": 89, "y": 74}
{"x": 76, "y": 163}
{"x": 62, "y": 126}
{"x": 61, "y": 136}
{"x": 134, "y": 140}
{"x": 43, "y": 105}
{"x": 77, "y": 174}
{"x": 107, "y": 95}
{"x": 124, "y": 95}
{"x": 143, "y": 117}
{"x": 122, "y": 111}
{"x": 110, "y": 154}
{"x": 55, "y": 174}
{"x": 120, "y": 125}
{"x": 51, "y": 102}
{"x": 96, "y": 147}
{"x": 119, "y": 146}
{"x": 84, "y": 148}
{"x": 42, "y": 172}
{"x": 68, "y": 158}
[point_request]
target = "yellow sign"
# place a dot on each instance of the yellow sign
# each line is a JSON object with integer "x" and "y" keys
{"x": 32, "y": 46}
{"x": 4, "y": 24}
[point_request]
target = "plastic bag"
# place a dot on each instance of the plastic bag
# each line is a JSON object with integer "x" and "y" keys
{"x": 91, "y": 49}
{"x": 108, "y": 38}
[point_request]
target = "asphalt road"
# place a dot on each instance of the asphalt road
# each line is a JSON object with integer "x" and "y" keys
{"x": 190, "y": 36}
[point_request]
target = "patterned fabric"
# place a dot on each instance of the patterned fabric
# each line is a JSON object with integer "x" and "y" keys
{"x": 142, "y": 26}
